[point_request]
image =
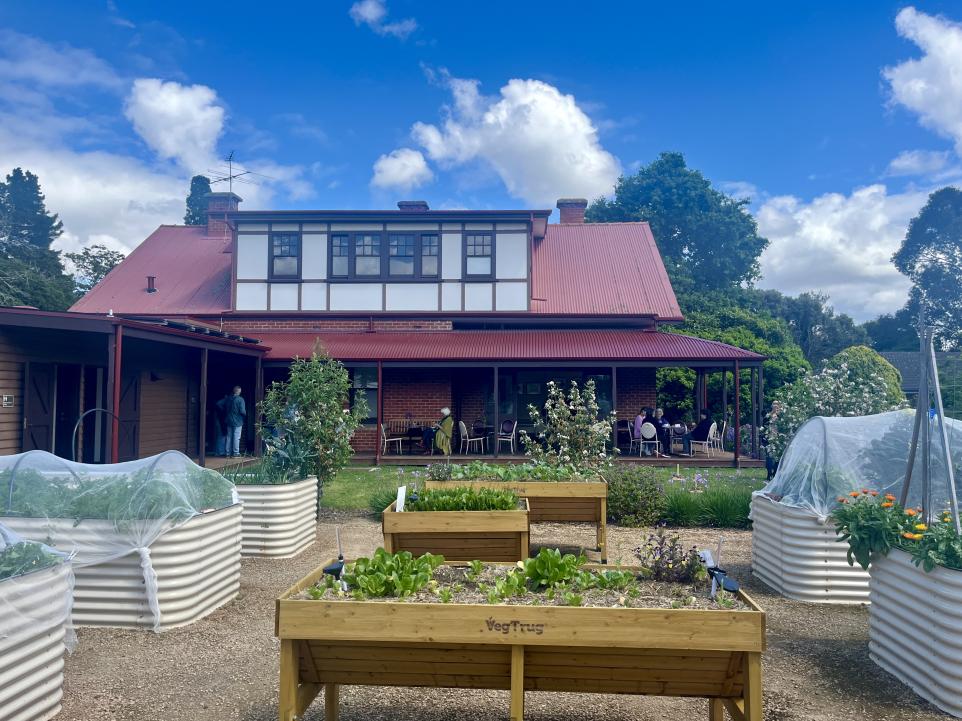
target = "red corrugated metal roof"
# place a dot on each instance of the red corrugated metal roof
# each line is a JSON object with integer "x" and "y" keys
{"x": 503, "y": 345}
{"x": 601, "y": 268}
{"x": 192, "y": 271}
{"x": 591, "y": 269}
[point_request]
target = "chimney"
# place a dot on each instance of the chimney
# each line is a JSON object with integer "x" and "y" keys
{"x": 151, "y": 284}
{"x": 413, "y": 206}
{"x": 218, "y": 206}
{"x": 572, "y": 210}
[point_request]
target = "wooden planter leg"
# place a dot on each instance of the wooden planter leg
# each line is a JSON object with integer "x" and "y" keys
{"x": 517, "y": 683}
{"x": 602, "y": 530}
{"x": 716, "y": 710}
{"x": 752, "y": 689}
{"x": 289, "y": 680}
{"x": 331, "y": 699}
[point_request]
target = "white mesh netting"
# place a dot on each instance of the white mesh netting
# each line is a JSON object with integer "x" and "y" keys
{"x": 115, "y": 509}
{"x": 36, "y": 590}
{"x": 831, "y": 456}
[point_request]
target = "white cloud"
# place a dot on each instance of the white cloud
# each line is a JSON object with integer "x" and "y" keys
{"x": 28, "y": 60}
{"x": 918, "y": 162}
{"x": 373, "y": 13}
{"x": 931, "y": 86}
{"x": 180, "y": 122}
{"x": 90, "y": 168}
{"x": 403, "y": 169}
{"x": 840, "y": 245}
{"x": 538, "y": 140}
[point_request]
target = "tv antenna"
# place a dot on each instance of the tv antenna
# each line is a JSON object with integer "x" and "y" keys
{"x": 219, "y": 176}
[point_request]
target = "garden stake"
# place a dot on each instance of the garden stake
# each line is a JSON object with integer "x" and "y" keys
{"x": 335, "y": 568}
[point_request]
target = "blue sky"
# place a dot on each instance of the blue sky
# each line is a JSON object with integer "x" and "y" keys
{"x": 836, "y": 119}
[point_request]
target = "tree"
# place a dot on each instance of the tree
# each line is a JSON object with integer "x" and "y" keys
{"x": 931, "y": 256}
{"x": 30, "y": 271}
{"x": 93, "y": 263}
{"x": 813, "y": 323}
{"x": 707, "y": 239}
{"x": 894, "y": 331}
{"x": 197, "y": 201}
{"x": 863, "y": 362}
{"x": 24, "y": 220}
{"x": 312, "y": 406}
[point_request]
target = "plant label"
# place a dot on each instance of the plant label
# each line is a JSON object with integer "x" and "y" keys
{"x": 401, "y": 493}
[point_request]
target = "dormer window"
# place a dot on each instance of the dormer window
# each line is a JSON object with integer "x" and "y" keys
{"x": 478, "y": 255}
{"x": 386, "y": 256}
{"x": 367, "y": 255}
{"x": 285, "y": 256}
{"x": 401, "y": 252}
{"x": 340, "y": 256}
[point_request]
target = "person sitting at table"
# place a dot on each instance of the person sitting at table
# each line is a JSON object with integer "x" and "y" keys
{"x": 439, "y": 435}
{"x": 698, "y": 433}
{"x": 664, "y": 431}
{"x": 645, "y": 415}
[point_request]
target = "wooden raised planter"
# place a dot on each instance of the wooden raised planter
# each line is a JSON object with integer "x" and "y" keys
{"x": 197, "y": 566}
{"x": 458, "y": 535}
{"x": 556, "y": 502}
{"x": 714, "y": 654}
{"x": 278, "y": 520}
{"x": 31, "y": 654}
{"x": 915, "y": 627}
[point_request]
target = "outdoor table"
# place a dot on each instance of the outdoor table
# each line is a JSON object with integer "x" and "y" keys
{"x": 414, "y": 433}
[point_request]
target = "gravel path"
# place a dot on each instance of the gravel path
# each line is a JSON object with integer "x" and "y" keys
{"x": 225, "y": 666}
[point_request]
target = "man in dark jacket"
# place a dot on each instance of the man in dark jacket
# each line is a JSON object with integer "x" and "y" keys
{"x": 236, "y": 415}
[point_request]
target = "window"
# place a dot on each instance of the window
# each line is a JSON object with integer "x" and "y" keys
{"x": 340, "y": 250}
{"x": 429, "y": 255}
{"x": 364, "y": 383}
{"x": 367, "y": 255}
{"x": 388, "y": 256}
{"x": 285, "y": 255}
{"x": 401, "y": 255}
{"x": 477, "y": 253}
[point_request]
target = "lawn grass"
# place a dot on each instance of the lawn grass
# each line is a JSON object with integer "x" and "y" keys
{"x": 353, "y": 487}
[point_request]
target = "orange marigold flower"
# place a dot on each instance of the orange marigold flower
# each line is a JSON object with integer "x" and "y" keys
{"x": 873, "y": 493}
{"x": 840, "y": 499}
{"x": 889, "y": 497}
{"x": 865, "y": 491}
{"x": 946, "y": 518}
{"x": 921, "y": 527}
{"x": 854, "y": 494}
{"x": 911, "y": 512}
{"x": 912, "y": 536}
{"x": 887, "y": 504}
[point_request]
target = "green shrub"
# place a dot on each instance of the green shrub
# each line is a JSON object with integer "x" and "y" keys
{"x": 381, "y": 499}
{"x": 726, "y": 505}
{"x": 682, "y": 507}
{"x": 463, "y": 499}
{"x": 635, "y": 498}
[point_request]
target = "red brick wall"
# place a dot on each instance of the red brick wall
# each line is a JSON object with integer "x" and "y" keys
{"x": 420, "y": 392}
{"x": 321, "y": 324}
{"x": 636, "y": 389}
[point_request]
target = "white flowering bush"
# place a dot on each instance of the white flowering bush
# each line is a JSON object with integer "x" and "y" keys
{"x": 837, "y": 390}
{"x": 569, "y": 432}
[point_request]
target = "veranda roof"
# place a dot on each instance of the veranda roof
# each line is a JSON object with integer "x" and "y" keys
{"x": 505, "y": 345}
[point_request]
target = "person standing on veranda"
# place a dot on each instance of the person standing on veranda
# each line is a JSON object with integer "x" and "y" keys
{"x": 236, "y": 416}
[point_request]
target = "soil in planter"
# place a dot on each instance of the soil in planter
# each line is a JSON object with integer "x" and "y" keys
{"x": 466, "y": 587}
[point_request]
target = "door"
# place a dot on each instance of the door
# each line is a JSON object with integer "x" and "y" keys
{"x": 129, "y": 414}
{"x": 39, "y": 406}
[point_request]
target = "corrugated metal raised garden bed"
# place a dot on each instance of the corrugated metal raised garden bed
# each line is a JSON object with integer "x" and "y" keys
{"x": 279, "y": 519}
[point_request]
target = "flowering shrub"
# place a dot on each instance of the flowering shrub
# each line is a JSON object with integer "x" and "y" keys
{"x": 840, "y": 389}
{"x": 569, "y": 433}
{"x": 668, "y": 560}
{"x": 874, "y": 524}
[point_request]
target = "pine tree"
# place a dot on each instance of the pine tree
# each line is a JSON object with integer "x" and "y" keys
{"x": 30, "y": 271}
{"x": 197, "y": 201}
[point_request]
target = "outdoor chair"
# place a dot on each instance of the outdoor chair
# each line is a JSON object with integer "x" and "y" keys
{"x": 507, "y": 434}
{"x": 634, "y": 442}
{"x": 649, "y": 438}
{"x": 719, "y": 444}
{"x": 387, "y": 441}
{"x": 707, "y": 444}
{"x": 467, "y": 440}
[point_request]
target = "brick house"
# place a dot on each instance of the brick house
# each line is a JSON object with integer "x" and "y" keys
{"x": 431, "y": 308}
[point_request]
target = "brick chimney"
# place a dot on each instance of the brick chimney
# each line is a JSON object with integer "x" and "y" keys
{"x": 218, "y": 206}
{"x": 572, "y": 210}
{"x": 413, "y": 206}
